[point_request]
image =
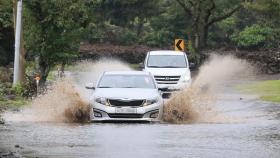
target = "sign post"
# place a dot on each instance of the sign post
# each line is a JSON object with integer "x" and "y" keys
{"x": 179, "y": 45}
{"x": 37, "y": 78}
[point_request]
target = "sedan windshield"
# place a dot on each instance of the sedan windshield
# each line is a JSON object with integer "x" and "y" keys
{"x": 126, "y": 81}
{"x": 167, "y": 61}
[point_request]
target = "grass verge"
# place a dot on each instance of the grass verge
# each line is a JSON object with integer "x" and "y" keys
{"x": 268, "y": 90}
{"x": 17, "y": 102}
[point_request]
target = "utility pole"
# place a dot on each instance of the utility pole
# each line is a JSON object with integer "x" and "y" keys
{"x": 17, "y": 65}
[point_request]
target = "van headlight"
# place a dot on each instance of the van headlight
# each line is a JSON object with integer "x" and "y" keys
{"x": 186, "y": 77}
{"x": 102, "y": 100}
{"x": 150, "y": 101}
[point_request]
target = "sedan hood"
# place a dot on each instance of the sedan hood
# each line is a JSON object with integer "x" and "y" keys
{"x": 167, "y": 71}
{"x": 126, "y": 93}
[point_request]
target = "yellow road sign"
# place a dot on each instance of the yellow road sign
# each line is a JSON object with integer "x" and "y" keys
{"x": 179, "y": 45}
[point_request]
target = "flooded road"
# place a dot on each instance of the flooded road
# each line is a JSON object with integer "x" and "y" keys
{"x": 244, "y": 127}
{"x": 251, "y": 130}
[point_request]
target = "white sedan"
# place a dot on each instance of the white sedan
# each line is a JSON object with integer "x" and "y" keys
{"x": 126, "y": 96}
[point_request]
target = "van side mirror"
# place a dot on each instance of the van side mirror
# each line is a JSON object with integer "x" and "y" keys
{"x": 90, "y": 86}
{"x": 141, "y": 65}
{"x": 192, "y": 66}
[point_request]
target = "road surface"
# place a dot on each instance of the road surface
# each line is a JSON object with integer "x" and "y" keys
{"x": 252, "y": 130}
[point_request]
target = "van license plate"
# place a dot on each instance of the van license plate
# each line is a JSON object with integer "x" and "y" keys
{"x": 126, "y": 110}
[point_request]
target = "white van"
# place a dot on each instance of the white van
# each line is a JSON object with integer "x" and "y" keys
{"x": 169, "y": 68}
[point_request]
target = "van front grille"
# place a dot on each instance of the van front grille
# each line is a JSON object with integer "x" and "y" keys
{"x": 167, "y": 79}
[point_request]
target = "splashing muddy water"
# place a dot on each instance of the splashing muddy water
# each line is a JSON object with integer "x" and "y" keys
{"x": 61, "y": 103}
{"x": 66, "y": 99}
{"x": 197, "y": 102}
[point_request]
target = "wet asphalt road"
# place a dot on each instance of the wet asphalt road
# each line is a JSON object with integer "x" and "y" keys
{"x": 252, "y": 130}
{"x": 254, "y": 134}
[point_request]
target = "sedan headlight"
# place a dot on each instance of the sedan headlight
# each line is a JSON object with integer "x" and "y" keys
{"x": 102, "y": 100}
{"x": 150, "y": 101}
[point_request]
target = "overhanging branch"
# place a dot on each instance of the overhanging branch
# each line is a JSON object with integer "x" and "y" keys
{"x": 185, "y": 7}
{"x": 226, "y": 15}
{"x": 209, "y": 11}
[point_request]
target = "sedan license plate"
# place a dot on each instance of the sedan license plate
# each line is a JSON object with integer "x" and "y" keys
{"x": 126, "y": 110}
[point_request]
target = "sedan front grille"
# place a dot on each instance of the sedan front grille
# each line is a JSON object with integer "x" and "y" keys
{"x": 121, "y": 103}
{"x": 167, "y": 79}
{"x": 126, "y": 115}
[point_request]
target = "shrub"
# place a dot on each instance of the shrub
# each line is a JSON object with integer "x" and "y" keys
{"x": 18, "y": 89}
{"x": 255, "y": 36}
{"x": 126, "y": 37}
{"x": 5, "y": 74}
{"x": 156, "y": 38}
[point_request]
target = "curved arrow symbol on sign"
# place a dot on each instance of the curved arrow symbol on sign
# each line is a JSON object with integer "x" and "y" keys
{"x": 178, "y": 45}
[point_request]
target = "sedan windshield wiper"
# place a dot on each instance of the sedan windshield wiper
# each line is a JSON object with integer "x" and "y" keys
{"x": 166, "y": 66}
{"x": 129, "y": 87}
{"x": 173, "y": 67}
{"x": 155, "y": 66}
{"x": 105, "y": 87}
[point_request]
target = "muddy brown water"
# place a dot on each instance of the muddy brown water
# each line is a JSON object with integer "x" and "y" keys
{"x": 243, "y": 127}
{"x": 256, "y": 136}
{"x": 251, "y": 130}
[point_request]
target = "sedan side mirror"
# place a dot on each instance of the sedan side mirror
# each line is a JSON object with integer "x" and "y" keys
{"x": 141, "y": 65}
{"x": 90, "y": 86}
{"x": 192, "y": 66}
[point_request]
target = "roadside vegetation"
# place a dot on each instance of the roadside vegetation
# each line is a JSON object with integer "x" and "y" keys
{"x": 62, "y": 32}
{"x": 268, "y": 90}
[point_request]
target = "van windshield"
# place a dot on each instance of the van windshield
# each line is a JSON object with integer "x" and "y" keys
{"x": 167, "y": 61}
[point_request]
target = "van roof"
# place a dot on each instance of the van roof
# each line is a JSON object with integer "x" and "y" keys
{"x": 166, "y": 52}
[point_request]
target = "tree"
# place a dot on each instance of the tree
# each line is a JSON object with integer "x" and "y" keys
{"x": 203, "y": 14}
{"x": 53, "y": 30}
{"x": 260, "y": 31}
{"x": 269, "y": 11}
{"x": 6, "y": 32}
{"x": 122, "y": 22}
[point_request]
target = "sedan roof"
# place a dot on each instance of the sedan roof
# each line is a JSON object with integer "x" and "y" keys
{"x": 126, "y": 73}
{"x": 166, "y": 52}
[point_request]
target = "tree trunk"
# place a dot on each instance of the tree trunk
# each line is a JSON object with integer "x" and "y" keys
{"x": 44, "y": 71}
{"x": 204, "y": 36}
{"x": 140, "y": 26}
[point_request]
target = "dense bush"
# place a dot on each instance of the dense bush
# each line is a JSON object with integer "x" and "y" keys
{"x": 156, "y": 38}
{"x": 255, "y": 36}
{"x": 5, "y": 74}
{"x": 27, "y": 89}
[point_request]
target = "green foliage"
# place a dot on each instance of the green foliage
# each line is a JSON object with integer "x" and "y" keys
{"x": 6, "y": 32}
{"x": 54, "y": 29}
{"x": 254, "y": 36}
{"x": 17, "y": 89}
{"x": 157, "y": 38}
{"x": 6, "y": 15}
{"x": 18, "y": 101}
{"x": 191, "y": 50}
{"x": 2, "y": 90}
{"x": 127, "y": 37}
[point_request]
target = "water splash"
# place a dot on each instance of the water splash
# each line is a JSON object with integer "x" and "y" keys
{"x": 67, "y": 99}
{"x": 197, "y": 102}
